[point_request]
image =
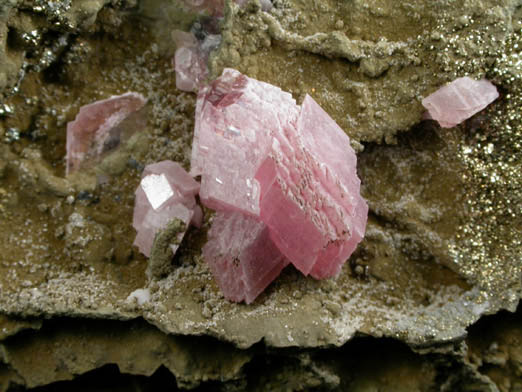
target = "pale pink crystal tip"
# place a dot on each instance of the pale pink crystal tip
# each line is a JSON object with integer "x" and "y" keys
{"x": 452, "y": 104}
{"x": 166, "y": 191}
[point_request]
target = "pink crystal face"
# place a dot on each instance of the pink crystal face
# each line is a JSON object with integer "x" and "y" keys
{"x": 235, "y": 117}
{"x": 459, "y": 100}
{"x": 270, "y": 162}
{"x": 310, "y": 194}
{"x": 166, "y": 191}
{"x": 190, "y": 59}
{"x": 241, "y": 256}
{"x": 96, "y": 130}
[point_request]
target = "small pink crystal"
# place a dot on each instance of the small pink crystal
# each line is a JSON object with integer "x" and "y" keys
{"x": 96, "y": 129}
{"x": 274, "y": 163}
{"x": 241, "y": 256}
{"x": 166, "y": 191}
{"x": 452, "y": 104}
{"x": 190, "y": 59}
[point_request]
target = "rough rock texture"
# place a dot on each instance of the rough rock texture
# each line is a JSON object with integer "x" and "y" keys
{"x": 443, "y": 244}
{"x": 72, "y": 347}
{"x": 69, "y": 348}
{"x": 367, "y": 64}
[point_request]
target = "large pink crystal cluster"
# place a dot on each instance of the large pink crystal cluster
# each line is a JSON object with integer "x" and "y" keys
{"x": 459, "y": 100}
{"x": 283, "y": 178}
{"x": 166, "y": 192}
{"x": 98, "y": 128}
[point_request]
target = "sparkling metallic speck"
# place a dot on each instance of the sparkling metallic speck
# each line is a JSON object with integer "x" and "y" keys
{"x": 489, "y": 244}
{"x": 5, "y": 110}
{"x": 12, "y": 135}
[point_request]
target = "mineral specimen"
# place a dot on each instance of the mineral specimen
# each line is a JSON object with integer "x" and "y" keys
{"x": 459, "y": 100}
{"x": 242, "y": 256}
{"x": 166, "y": 192}
{"x": 285, "y": 167}
{"x": 98, "y": 128}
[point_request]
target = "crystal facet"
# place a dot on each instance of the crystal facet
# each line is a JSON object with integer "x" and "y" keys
{"x": 235, "y": 119}
{"x": 166, "y": 191}
{"x": 97, "y": 128}
{"x": 241, "y": 256}
{"x": 452, "y": 104}
{"x": 310, "y": 194}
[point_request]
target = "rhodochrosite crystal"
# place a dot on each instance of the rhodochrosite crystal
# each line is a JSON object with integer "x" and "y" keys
{"x": 459, "y": 100}
{"x": 98, "y": 128}
{"x": 166, "y": 192}
{"x": 190, "y": 59}
{"x": 242, "y": 256}
{"x": 236, "y": 118}
{"x": 310, "y": 194}
{"x": 286, "y": 167}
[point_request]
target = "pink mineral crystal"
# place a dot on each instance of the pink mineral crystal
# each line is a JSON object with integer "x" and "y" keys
{"x": 98, "y": 128}
{"x": 310, "y": 194}
{"x": 235, "y": 117}
{"x": 190, "y": 59}
{"x": 166, "y": 191}
{"x": 241, "y": 256}
{"x": 287, "y": 167}
{"x": 452, "y": 104}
